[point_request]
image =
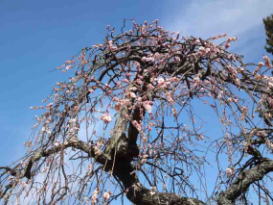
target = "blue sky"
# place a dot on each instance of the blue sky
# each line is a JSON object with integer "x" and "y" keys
{"x": 36, "y": 36}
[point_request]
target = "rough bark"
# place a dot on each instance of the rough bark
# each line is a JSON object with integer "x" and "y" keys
{"x": 140, "y": 195}
{"x": 121, "y": 155}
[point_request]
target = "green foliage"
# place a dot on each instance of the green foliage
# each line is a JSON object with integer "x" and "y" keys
{"x": 268, "y": 24}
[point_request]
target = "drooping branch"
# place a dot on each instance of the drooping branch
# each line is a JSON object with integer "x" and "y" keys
{"x": 77, "y": 144}
{"x": 244, "y": 180}
{"x": 21, "y": 171}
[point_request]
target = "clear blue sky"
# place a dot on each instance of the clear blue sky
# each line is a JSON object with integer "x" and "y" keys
{"x": 36, "y": 36}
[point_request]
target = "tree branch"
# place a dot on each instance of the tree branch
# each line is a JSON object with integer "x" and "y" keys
{"x": 244, "y": 180}
{"x": 140, "y": 195}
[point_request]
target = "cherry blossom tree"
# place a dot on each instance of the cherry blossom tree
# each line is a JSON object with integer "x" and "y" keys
{"x": 131, "y": 123}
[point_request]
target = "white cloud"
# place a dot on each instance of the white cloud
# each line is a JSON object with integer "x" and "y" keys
{"x": 210, "y": 17}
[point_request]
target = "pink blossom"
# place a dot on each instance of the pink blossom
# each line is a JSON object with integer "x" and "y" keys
{"x": 34, "y": 107}
{"x": 260, "y": 64}
{"x": 267, "y": 61}
{"x": 232, "y": 70}
{"x": 201, "y": 49}
{"x": 106, "y": 195}
{"x": 269, "y": 144}
{"x": 270, "y": 83}
{"x": 148, "y": 106}
{"x": 207, "y": 50}
{"x": 244, "y": 112}
{"x": 97, "y": 45}
{"x": 143, "y": 161}
{"x": 174, "y": 79}
{"x": 148, "y": 59}
{"x": 137, "y": 125}
{"x": 197, "y": 81}
{"x": 240, "y": 69}
{"x": 237, "y": 81}
{"x": 69, "y": 62}
{"x": 94, "y": 197}
{"x": 162, "y": 83}
{"x": 258, "y": 68}
{"x": 157, "y": 55}
{"x": 227, "y": 45}
{"x": 90, "y": 167}
{"x": 118, "y": 107}
{"x": 232, "y": 99}
{"x": 84, "y": 61}
{"x": 106, "y": 117}
{"x": 133, "y": 88}
{"x": 231, "y": 56}
{"x": 144, "y": 139}
{"x": 97, "y": 150}
{"x": 174, "y": 112}
{"x": 169, "y": 97}
{"x": 111, "y": 46}
{"x": 56, "y": 144}
{"x": 229, "y": 172}
{"x": 139, "y": 81}
{"x": 90, "y": 90}
{"x": 258, "y": 77}
{"x": 125, "y": 80}
{"x": 132, "y": 95}
{"x": 125, "y": 102}
{"x": 68, "y": 67}
{"x": 232, "y": 39}
{"x": 176, "y": 59}
{"x": 115, "y": 99}
{"x": 144, "y": 158}
{"x": 160, "y": 80}
{"x": 121, "y": 103}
